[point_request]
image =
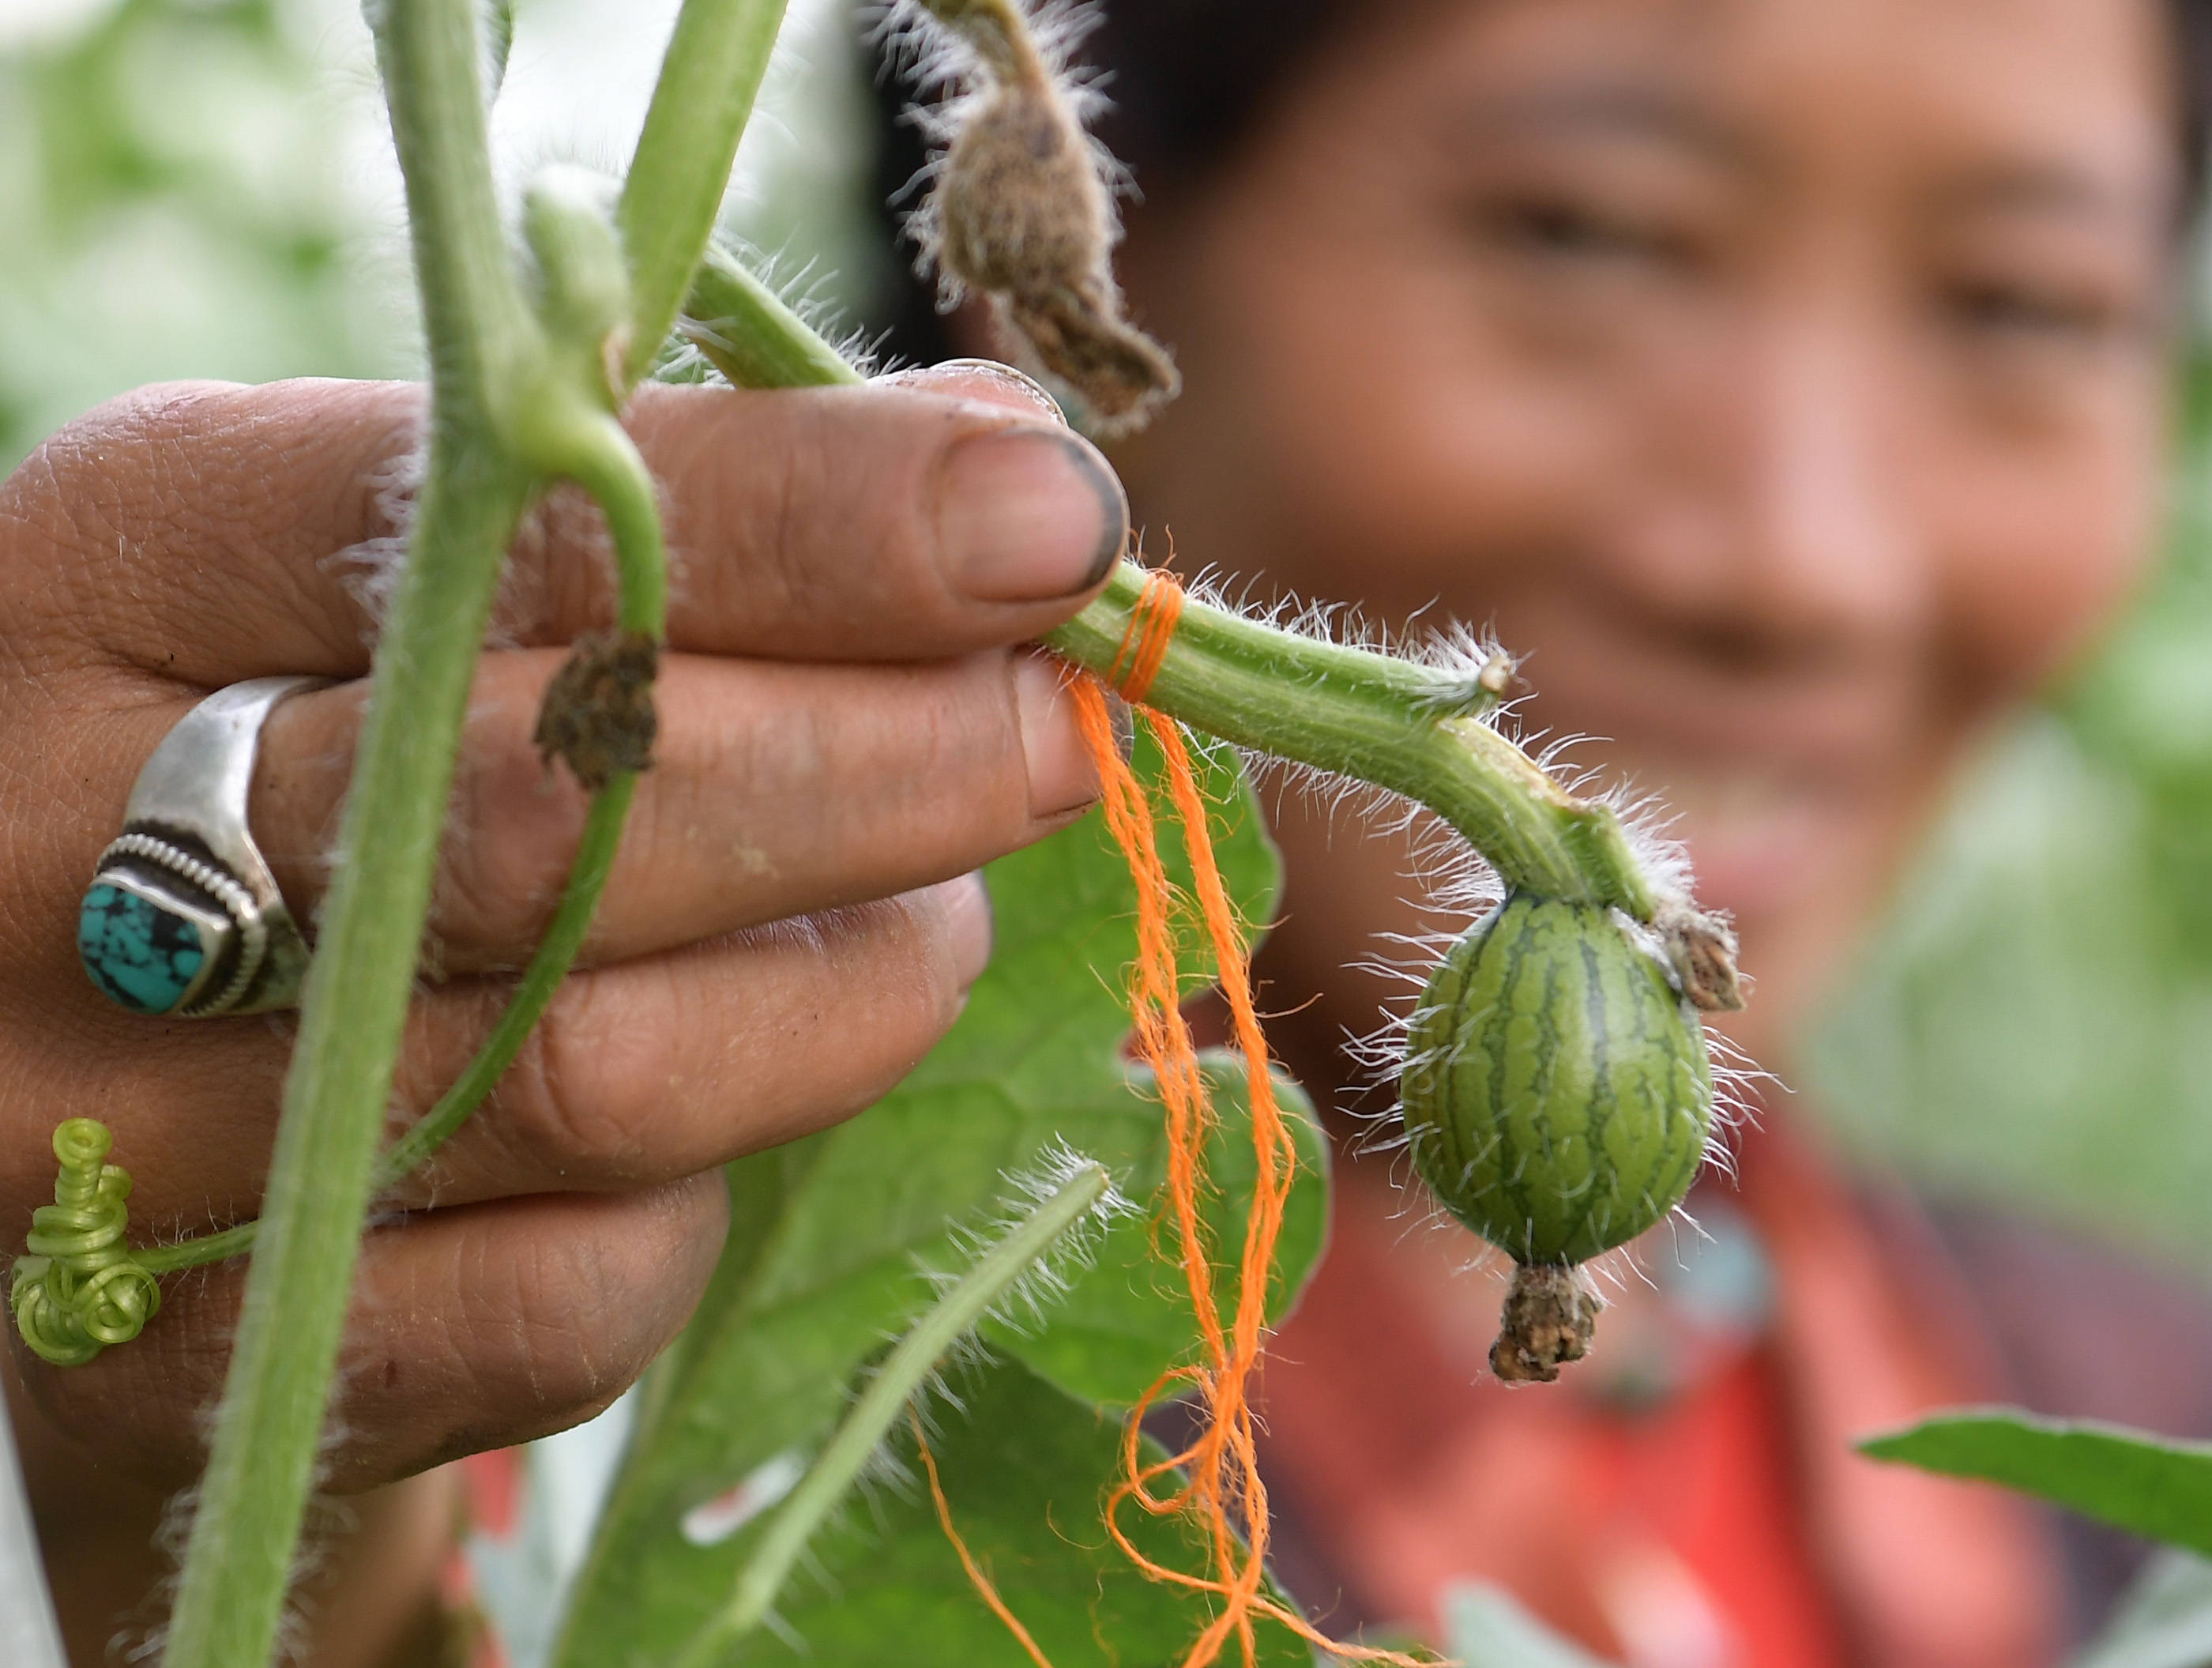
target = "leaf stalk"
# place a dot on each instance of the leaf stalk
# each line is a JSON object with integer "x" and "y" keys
{"x": 894, "y": 1386}
{"x": 709, "y": 80}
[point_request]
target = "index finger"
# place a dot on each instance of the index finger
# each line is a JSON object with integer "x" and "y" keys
{"x": 212, "y": 532}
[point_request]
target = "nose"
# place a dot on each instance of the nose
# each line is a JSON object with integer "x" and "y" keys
{"x": 1780, "y": 524}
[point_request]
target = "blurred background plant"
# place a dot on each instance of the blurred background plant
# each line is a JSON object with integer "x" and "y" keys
{"x": 203, "y": 188}
{"x": 182, "y": 200}
{"x": 2037, "y": 1023}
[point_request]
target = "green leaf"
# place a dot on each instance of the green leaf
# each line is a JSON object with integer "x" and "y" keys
{"x": 828, "y": 1234}
{"x": 2146, "y": 1485}
{"x": 1020, "y": 1464}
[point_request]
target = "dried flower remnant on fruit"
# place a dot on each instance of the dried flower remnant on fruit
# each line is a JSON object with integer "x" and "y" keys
{"x": 1021, "y": 212}
{"x": 597, "y": 712}
{"x": 1701, "y": 948}
{"x": 1549, "y": 1319}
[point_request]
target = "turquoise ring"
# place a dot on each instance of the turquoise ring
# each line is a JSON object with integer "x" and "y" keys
{"x": 183, "y": 917}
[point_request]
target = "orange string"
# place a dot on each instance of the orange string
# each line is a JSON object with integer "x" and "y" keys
{"x": 1144, "y": 640}
{"x": 1221, "y": 1487}
{"x": 981, "y": 1582}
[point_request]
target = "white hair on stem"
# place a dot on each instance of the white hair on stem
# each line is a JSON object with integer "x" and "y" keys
{"x": 807, "y": 286}
{"x": 1024, "y": 1307}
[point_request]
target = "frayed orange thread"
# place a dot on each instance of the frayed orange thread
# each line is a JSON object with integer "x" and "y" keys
{"x": 1222, "y": 1485}
{"x": 976, "y": 1575}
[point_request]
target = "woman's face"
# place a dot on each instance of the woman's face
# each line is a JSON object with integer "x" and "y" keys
{"x": 1782, "y": 379}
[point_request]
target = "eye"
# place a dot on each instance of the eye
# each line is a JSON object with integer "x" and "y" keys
{"x": 1557, "y": 228}
{"x": 2012, "y": 310}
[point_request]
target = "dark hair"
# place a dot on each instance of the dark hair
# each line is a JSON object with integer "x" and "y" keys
{"x": 2192, "y": 32}
{"x": 1186, "y": 79}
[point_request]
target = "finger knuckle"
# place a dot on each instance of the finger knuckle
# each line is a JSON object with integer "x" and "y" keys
{"x": 570, "y": 1319}
{"x": 585, "y": 1093}
{"x": 898, "y": 950}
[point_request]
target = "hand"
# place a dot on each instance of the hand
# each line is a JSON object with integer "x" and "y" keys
{"x": 846, "y": 734}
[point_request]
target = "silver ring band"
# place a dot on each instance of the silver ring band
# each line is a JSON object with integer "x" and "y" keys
{"x": 183, "y": 917}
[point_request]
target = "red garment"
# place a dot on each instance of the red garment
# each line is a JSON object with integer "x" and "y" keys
{"x": 1684, "y": 1499}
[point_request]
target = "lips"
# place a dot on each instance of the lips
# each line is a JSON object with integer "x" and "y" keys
{"x": 1760, "y": 839}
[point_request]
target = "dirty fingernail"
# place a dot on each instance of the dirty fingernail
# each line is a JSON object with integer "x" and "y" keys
{"x": 1061, "y": 776}
{"x": 967, "y": 902}
{"x": 1029, "y": 514}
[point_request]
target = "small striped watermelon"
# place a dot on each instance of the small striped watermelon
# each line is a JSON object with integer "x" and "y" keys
{"x": 1556, "y": 1093}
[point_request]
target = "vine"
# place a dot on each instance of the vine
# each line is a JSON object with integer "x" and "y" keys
{"x": 520, "y": 396}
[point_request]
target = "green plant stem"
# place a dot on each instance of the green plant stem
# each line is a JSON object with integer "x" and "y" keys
{"x": 708, "y": 80}
{"x": 902, "y": 1373}
{"x": 1380, "y": 720}
{"x": 200, "y": 1249}
{"x": 267, "y": 1434}
{"x": 1373, "y": 717}
{"x": 267, "y": 1430}
{"x": 556, "y": 953}
{"x": 493, "y": 438}
{"x": 745, "y": 330}
{"x": 599, "y": 456}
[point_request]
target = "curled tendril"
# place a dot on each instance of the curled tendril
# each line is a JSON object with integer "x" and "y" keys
{"x": 79, "y": 1289}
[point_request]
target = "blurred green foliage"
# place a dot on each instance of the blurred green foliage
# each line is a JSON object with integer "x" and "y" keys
{"x": 196, "y": 188}
{"x": 2033, "y": 1021}
{"x": 174, "y": 181}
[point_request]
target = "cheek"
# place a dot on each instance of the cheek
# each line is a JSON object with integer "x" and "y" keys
{"x": 1395, "y": 451}
{"x": 2044, "y": 556}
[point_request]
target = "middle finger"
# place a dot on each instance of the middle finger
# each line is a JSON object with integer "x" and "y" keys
{"x": 777, "y": 789}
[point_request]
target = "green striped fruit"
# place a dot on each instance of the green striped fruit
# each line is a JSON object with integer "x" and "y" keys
{"x": 1556, "y": 1093}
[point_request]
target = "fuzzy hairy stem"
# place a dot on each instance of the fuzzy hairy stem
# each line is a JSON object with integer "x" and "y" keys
{"x": 266, "y": 1436}
{"x": 516, "y": 399}
{"x": 1380, "y": 720}
{"x": 555, "y": 954}
{"x": 895, "y": 1384}
{"x": 240, "y": 1556}
{"x": 497, "y": 431}
{"x": 708, "y": 81}
{"x": 745, "y": 330}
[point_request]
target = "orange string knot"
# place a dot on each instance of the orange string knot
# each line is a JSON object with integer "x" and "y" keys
{"x": 1145, "y": 641}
